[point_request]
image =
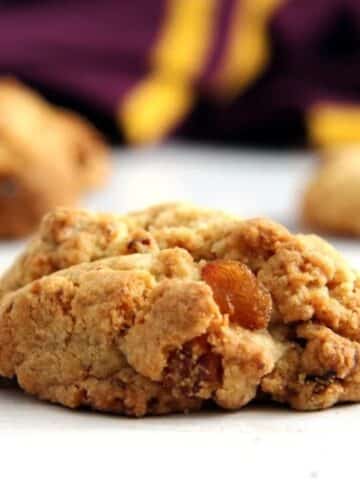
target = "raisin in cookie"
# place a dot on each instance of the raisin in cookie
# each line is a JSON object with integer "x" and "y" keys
{"x": 332, "y": 199}
{"x": 135, "y": 334}
{"x": 249, "y": 312}
{"x": 48, "y": 157}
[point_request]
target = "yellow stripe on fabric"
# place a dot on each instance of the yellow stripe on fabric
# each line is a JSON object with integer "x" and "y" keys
{"x": 159, "y": 102}
{"x": 334, "y": 124}
{"x": 248, "y": 50}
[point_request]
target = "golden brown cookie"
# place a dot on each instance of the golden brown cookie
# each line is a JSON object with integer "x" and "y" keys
{"x": 246, "y": 311}
{"x": 48, "y": 157}
{"x": 68, "y": 237}
{"x": 29, "y": 188}
{"x": 86, "y": 147}
{"x": 135, "y": 334}
{"x": 332, "y": 199}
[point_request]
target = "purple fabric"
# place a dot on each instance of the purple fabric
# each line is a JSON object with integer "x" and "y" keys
{"x": 93, "y": 51}
{"x": 220, "y": 38}
{"x": 315, "y": 58}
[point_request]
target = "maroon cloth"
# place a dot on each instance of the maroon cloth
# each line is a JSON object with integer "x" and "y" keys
{"x": 88, "y": 50}
{"x": 91, "y": 52}
{"x": 315, "y": 58}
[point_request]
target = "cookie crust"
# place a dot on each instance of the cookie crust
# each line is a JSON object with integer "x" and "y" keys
{"x": 69, "y": 336}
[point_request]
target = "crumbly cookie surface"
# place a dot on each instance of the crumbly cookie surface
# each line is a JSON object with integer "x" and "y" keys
{"x": 134, "y": 334}
{"x": 246, "y": 311}
{"x": 68, "y": 237}
{"x": 48, "y": 156}
{"x": 332, "y": 199}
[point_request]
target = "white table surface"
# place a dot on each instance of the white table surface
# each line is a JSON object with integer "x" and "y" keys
{"x": 40, "y": 440}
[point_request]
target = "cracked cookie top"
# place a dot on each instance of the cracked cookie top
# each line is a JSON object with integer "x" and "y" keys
{"x": 213, "y": 308}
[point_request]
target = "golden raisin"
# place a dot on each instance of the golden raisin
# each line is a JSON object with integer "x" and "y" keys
{"x": 238, "y": 293}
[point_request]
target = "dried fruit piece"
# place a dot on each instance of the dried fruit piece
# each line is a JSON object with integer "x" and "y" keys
{"x": 141, "y": 242}
{"x": 238, "y": 293}
{"x": 194, "y": 370}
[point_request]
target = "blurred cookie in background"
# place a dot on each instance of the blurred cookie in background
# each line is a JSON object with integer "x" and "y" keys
{"x": 30, "y": 185}
{"x": 86, "y": 147}
{"x": 332, "y": 199}
{"x": 48, "y": 157}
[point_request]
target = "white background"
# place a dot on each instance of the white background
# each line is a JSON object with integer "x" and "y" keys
{"x": 38, "y": 440}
